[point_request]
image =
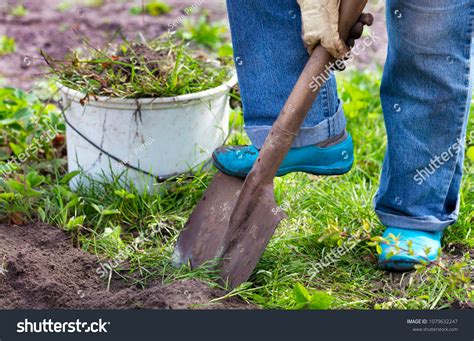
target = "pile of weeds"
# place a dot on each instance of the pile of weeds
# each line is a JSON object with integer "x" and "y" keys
{"x": 161, "y": 68}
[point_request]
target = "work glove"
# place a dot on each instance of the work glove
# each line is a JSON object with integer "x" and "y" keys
{"x": 320, "y": 26}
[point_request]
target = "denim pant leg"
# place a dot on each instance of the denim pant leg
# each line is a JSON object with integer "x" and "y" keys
{"x": 426, "y": 94}
{"x": 269, "y": 57}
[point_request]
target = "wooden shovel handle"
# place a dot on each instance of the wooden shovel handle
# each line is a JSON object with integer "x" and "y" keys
{"x": 288, "y": 124}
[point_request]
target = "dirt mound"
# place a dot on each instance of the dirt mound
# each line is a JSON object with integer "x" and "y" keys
{"x": 40, "y": 269}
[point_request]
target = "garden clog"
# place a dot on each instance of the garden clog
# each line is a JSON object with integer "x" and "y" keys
{"x": 334, "y": 160}
{"x": 414, "y": 247}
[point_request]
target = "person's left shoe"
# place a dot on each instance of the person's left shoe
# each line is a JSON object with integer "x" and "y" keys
{"x": 335, "y": 159}
{"x": 414, "y": 247}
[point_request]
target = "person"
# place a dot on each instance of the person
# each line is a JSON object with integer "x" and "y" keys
{"x": 426, "y": 93}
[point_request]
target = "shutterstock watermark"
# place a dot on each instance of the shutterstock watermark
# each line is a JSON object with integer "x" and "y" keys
{"x": 187, "y": 12}
{"x": 50, "y": 326}
{"x": 286, "y": 205}
{"x": 358, "y": 48}
{"x": 136, "y": 151}
{"x": 440, "y": 160}
{"x": 106, "y": 269}
{"x": 336, "y": 253}
{"x": 32, "y": 149}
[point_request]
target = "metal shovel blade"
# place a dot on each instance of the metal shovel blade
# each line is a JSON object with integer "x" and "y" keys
{"x": 201, "y": 241}
{"x": 253, "y": 222}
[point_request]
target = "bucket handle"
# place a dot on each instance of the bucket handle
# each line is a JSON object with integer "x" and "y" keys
{"x": 126, "y": 163}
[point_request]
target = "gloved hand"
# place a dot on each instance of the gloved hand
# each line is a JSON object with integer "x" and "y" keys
{"x": 320, "y": 26}
{"x": 365, "y": 19}
{"x": 321, "y": 23}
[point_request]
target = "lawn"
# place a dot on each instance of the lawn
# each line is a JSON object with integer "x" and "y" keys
{"x": 322, "y": 256}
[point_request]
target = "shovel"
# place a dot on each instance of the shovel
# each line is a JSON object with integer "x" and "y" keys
{"x": 233, "y": 222}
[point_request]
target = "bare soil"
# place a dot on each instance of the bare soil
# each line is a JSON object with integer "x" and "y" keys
{"x": 41, "y": 269}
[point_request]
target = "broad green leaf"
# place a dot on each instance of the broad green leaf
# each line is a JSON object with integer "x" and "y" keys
{"x": 470, "y": 153}
{"x": 7, "y": 196}
{"x": 41, "y": 214}
{"x": 98, "y": 208}
{"x": 15, "y": 186}
{"x": 33, "y": 179}
{"x": 66, "y": 178}
{"x": 72, "y": 203}
{"x": 320, "y": 301}
{"x": 110, "y": 212}
{"x": 379, "y": 249}
{"x": 17, "y": 150}
{"x": 75, "y": 222}
{"x": 124, "y": 194}
{"x": 302, "y": 295}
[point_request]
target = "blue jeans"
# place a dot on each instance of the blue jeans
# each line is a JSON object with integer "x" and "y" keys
{"x": 426, "y": 94}
{"x": 269, "y": 57}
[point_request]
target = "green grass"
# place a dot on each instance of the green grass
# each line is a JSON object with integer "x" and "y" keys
{"x": 66, "y": 5}
{"x": 7, "y": 45}
{"x": 204, "y": 32}
{"x": 19, "y": 11}
{"x": 137, "y": 232}
{"x": 210, "y": 35}
{"x": 153, "y": 8}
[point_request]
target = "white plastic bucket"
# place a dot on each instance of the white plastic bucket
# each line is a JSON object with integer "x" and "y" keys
{"x": 161, "y": 137}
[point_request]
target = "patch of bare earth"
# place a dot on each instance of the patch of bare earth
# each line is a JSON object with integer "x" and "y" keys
{"x": 41, "y": 269}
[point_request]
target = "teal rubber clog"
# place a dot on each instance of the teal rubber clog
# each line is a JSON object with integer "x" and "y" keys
{"x": 425, "y": 247}
{"x": 333, "y": 160}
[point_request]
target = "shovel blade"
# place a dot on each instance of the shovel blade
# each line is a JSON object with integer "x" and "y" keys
{"x": 253, "y": 222}
{"x": 202, "y": 239}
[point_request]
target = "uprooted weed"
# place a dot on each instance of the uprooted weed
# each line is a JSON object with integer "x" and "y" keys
{"x": 160, "y": 68}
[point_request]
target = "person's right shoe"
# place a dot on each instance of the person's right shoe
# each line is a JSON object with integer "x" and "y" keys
{"x": 410, "y": 248}
{"x": 333, "y": 160}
